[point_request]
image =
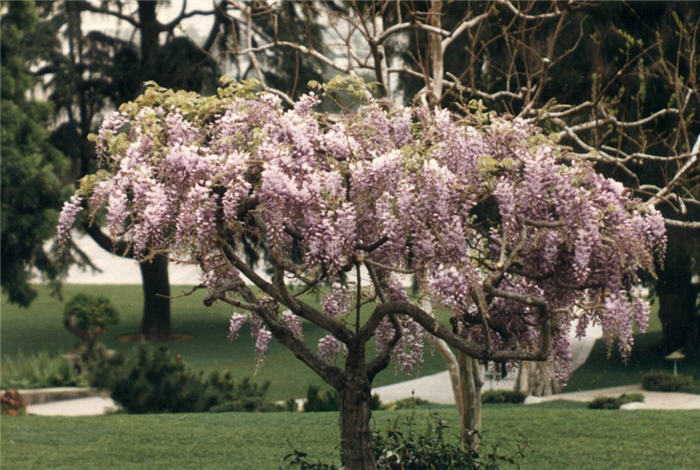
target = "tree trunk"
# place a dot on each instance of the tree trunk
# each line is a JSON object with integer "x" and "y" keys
{"x": 149, "y": 34}
{"x": 155, "y": 324}
{"x": 678, "y": 297}
{"x": 535, "y": 378}
{"x": 355, "y": 413}
{"x": 466, "y": 381}
{"x": 471, "y": 382}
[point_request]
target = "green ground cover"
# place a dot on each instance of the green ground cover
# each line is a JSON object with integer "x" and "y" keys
{"x": 40, "y": 328}
{"x": 556, "y": 439}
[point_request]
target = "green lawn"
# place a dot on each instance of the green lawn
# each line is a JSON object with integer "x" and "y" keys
{"x": 40, "y": 328}
{"x": 556, "y": 439}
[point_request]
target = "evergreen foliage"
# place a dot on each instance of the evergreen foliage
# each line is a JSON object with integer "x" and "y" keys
{"x": 31, "y": 167}
{"x": 662, "y": 381}
{"x": 154, "y": 381}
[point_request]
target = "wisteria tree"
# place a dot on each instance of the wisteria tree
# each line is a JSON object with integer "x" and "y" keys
{"x": 616, "y": 82}
{"x": 516, "y": 235}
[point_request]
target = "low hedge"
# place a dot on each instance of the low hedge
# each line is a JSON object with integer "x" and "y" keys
{"x": 662, "y": 381}
{"x": 503, "y": 396}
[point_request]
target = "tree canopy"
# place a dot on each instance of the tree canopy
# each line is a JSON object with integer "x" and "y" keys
{"x": 517, "y": 235}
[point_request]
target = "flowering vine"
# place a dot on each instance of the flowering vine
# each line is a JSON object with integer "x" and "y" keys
{"x": 519, "y": 238}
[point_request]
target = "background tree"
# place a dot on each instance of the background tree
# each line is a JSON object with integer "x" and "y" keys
{"x": 616, "y": 82}
{"x": 31, "y": 166}
{"x": 95, "y": 72}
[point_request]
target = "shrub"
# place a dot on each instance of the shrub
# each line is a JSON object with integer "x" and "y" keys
{"x": 87, "y": 316}
{"x": 662, "y": 381}
{"x": 37, "y": 371}
{"x": 401, "y": 447}
{"x": 614, "y": 403}
{"x": 11, "y": 403}
{"x": 503, "y": 396}
{"x": 317, "y": 400}
{"x": 406, "y": 403}
{"x": 153, "y": 381}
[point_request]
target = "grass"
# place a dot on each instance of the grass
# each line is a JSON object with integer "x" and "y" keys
{"x": 207, "y": 351}
{"x": 558, "y": 439}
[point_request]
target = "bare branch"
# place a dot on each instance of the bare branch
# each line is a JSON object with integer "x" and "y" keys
{"x": 556, "y": 13}
{"x": 298, "y": 47}
{"x": 679, "y": 174}
{"x": 87, "y": 6}
{"x": 297, "y": 306}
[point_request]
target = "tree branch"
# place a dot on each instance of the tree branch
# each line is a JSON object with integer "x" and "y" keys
{"x": 464, "y": 345}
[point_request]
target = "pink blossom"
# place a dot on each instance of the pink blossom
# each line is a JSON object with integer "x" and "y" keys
{"x": 294, "y": 324}
{"x": 69, "y": 212}
{"x": 329, "y": 348}
{"x": 235, "y": 324}
{"x": 337, "y": 302}
{"x": 261, "y": 342}
{"x": 461, "y": 205}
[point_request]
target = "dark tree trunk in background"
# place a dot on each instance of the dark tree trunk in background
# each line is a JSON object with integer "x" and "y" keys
{"x": 678, "y": 296}
{"x": 155, "y": 323}
{"x": 150, "y": 29}
{"x": 355, "y": 414}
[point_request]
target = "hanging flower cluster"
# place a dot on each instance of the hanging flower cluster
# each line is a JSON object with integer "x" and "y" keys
{"x": 489, "y": 216}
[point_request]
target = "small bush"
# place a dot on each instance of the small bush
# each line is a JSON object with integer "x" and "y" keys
{"x": 614, "y": 403}
{"x": 662, "y": 381}
{"x": 631, "y": 397}
{"x": 503, "y": 396}
{"x": 317, "y": 400}
{"x": 402, "y": 447}
{"x": 87, "y": 316}
{"x": 153, "y": 381}
{"x": 37, "y": 371}
{"x": 604, "y": 403}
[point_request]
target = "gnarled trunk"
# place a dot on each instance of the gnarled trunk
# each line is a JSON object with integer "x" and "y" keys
{"x": 155, "y": 324}
{"x": 466, "y": 380}
{"x": 355, "y": 413}
{"x": 535, "y": 378}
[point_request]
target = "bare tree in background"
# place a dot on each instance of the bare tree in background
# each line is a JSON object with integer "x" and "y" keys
{"x": 618, "y": 83}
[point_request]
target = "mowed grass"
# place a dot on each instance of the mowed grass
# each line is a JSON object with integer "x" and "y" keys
{"x": 40, "y": 328}
{"x": 554, "y": 439}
